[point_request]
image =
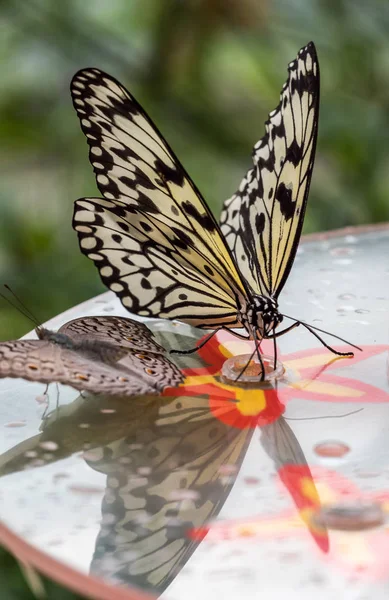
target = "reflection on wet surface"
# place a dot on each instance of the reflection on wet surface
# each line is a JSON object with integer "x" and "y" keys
{"x": 215, "y": 488}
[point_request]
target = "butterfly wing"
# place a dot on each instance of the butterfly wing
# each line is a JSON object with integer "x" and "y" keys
{"x": 262, "y": 222}
{"x": 136, "y": 374}
{"x": 124, "y": 332}
{"x": 153, "y": 238}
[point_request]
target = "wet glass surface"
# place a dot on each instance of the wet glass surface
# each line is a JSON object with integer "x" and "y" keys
{"x": 214, "y": 488}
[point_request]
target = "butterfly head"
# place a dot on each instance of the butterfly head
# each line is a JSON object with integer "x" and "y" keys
{"x": 55, "y": 338}
{"x": 265, "y": 315}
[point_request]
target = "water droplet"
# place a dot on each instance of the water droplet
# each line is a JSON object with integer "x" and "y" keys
{"x": 232, "y": 369}
{"x": 362, "y": 311}
{"x": 252, "y": 480}
{"x": 30, "y": 454}
{"x": 86, "y": 489}
{"x": 342, "y": 251}
{"x": 108, "y": 308}
{"x": 108, "y": 519}
{"x": 135, "y": 446}
{"x": 41, "y": 399}
{"x": 15, "y": 424}
{"x": 93, "y": 455}
{"x": 346, "y": 296}
{"x": 331, "y": 448}
{"x": 183, "y": 495}
{"x": 59, "y": 476}
{"x": 49, "y": 445}
{"x": 107, "y": 411}
{"x": 346, "y": 308}
{"x": 227, "y": 469}
{"x": 84, "y": 425}
{"x": 342, "y": 261}
{"x": 144, "y": 470}
{"x": 351, "y": 239}
{"x": 351, "y": 516}
{"x": 364, "y": 474}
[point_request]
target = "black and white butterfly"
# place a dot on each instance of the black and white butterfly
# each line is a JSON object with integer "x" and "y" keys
{"x": 153, "y": 238}
{"x": 113, "y": 356}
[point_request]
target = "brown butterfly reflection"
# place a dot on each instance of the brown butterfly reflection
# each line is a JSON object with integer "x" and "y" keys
{"x": 113, "y": 356}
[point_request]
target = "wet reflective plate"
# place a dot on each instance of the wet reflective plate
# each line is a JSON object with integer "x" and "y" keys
{"x": 216, "y": 489}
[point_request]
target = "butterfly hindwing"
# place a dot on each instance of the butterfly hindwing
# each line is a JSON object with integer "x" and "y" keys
{"x": 153, "y": 238}
{"x": 151, "y": 270}
{"x": 262, "y": 222}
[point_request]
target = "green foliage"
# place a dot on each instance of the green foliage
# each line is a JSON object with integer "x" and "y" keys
{"x": 208, "y": 72}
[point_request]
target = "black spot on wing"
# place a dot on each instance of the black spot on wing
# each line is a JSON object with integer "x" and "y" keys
{"x": 260, "y": 223}
{"x": 284, "y": 197}
{"x": 146, "y": 204}
{"x": 204, "y": 220}
{"x": 146, "y": 285}
{"x": 123, "y": 226}
{"x": 278, "y": 131}
{"x": 169, "y": 174}
{"x": 145, "y": 226}
{"x": 182, "y": 240}
{"x": 127, "y": 181}
{"x": 294, "y": 153}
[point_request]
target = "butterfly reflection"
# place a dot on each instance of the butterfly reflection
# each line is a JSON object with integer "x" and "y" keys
{"x": 170, "y": 463}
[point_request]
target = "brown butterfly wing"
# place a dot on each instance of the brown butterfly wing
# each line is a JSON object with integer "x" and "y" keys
{"x": 40, "y": 360}
{"x": 127, "y": 333}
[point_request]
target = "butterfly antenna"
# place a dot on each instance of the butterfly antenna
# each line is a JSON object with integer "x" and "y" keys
{"x": 20, "y": 306}
{"x": 312, "y": 329}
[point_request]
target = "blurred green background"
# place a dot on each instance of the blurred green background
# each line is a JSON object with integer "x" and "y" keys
{"x": 208, "y": 72}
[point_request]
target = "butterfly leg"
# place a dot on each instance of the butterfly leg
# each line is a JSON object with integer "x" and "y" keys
{"x": 57, "y": 401}
{"x": 205, "y": 341}
{"x": 259, "y": 354}
{"x": 45, "y": 393}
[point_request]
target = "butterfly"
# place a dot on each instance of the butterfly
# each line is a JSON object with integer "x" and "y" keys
{"x": 153, "y": 238}
{"x": 113, "y": 356}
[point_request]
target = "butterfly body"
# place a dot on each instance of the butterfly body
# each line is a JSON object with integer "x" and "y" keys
{"x": 95, "y": 349}
{"x": 262, "y": 315}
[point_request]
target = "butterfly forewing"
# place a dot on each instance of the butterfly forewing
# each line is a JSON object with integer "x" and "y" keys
{"x": 262, "y": 222}
{"x": 153, "y": 238}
